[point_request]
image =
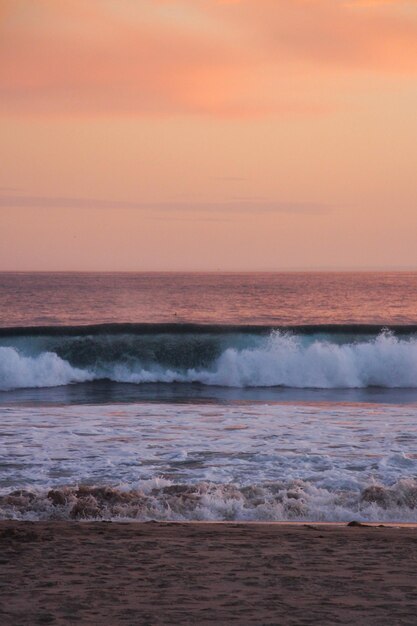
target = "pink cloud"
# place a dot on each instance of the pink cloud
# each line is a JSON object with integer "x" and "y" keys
{"x": 335, "y": 34}
{"x": 228, "y": 58}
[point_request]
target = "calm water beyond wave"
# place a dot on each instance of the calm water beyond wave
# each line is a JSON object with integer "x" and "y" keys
{"x": 208, "y": 396}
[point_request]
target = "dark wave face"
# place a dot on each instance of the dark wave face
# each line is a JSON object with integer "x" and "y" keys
{"x": 317, "y": 357}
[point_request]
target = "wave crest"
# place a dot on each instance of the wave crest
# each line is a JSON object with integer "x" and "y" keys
{"x": 44, "y": 370}
{"x": 281, "y": 359}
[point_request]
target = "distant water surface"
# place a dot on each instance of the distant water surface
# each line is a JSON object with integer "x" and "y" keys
{"x": 28, "y": 299}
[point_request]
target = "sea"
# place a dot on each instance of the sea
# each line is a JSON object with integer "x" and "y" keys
{"x": 208, "y": 396}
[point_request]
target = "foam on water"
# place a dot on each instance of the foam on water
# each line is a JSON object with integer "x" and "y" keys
{"x": 250, "y": 461}
{"x": 164, "y": 500}
{"x": 45, "y": 370}
{"x": 281, "y": 359}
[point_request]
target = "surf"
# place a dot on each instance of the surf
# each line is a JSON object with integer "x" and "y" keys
{"x": 164, "y": 500}
{"x": 241, "y": 357}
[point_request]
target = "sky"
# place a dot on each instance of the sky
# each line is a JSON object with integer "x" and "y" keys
{"x": 196, "y": 135}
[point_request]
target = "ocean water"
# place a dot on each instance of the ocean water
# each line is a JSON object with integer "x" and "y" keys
{"x": 263, "y": 396}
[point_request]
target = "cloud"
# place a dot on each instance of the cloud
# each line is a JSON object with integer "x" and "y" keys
{"x": 244, "y": 205}
{"x": 336, "y": 35}
{"x": 117, "y": 59}
{"x": 165, "y": 57}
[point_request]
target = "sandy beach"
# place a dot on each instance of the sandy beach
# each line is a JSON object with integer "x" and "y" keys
{"x": 203, "y": 573}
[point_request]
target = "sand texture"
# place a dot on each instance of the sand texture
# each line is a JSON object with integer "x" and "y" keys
{"x": 159, "y": 573}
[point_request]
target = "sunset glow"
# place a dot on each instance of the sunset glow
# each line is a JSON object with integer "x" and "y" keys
{"x": 208, "y": 134}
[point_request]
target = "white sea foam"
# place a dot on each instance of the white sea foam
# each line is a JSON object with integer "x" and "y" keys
{"x": 325, "y": 461}
{"x": 385, "y": 362}
{"x": 165, "y": 500}
{"x": 281, "y": 360}
{"x": 45, "y": 370}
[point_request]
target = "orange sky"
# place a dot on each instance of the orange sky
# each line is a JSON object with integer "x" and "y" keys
{"x": 208, "y": 134}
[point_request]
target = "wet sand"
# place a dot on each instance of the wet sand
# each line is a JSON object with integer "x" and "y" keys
{"x": 159, "y": 573}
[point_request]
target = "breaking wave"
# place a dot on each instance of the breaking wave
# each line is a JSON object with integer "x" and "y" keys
{"x": 227, "y": 358}
{"x": 239, "y": 357}
{"x": 45, "y": 370}
{"x": 162, "y": 500}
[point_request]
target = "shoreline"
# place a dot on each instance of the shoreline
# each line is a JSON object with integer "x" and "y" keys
{"x": 207, "y": 572}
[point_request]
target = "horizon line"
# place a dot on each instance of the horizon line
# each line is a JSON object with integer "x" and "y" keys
{"x": 215, "y": 271}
